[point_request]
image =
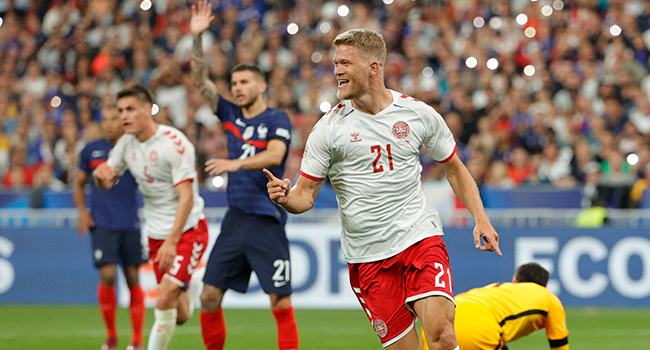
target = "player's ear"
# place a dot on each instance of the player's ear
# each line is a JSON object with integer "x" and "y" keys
{"x": 262, "y": 86}
{"x": 374, "y": 69}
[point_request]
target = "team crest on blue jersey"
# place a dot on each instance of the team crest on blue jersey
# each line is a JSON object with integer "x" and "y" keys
{"x": 262, "y": 130}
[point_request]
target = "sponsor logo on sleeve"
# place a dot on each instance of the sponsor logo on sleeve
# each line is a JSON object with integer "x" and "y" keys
{"x": 282, "y": 132}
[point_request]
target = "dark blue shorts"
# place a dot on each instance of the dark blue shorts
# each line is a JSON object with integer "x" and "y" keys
{"x": 117, "y": 247}
{"x": 247, "y": 243}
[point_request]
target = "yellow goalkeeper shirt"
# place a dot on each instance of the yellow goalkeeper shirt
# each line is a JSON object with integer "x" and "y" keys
{"x": 518, "y": 309}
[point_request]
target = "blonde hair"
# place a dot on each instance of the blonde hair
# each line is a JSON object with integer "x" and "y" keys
{"x": 367, "y": 41}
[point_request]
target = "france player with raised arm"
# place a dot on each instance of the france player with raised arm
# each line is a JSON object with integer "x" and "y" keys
{"x": 252, "y": 233}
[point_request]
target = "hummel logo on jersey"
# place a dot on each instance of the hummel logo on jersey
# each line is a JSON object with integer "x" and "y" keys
{"x": 97, "y": 153}
{"x": 355, "y": 137}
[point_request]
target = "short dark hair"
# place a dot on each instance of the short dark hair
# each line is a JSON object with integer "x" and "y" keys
{"x": 532, "y": 272}
{"x": 251, "y": 68}
{"x": 140, "y": 92}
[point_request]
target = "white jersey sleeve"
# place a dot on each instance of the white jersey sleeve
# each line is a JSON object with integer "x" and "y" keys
{"x": 440, "y": 142}
{"x": 116, "y": 156}
{"x": 183, "y": 165}
{"x": 317, "y": 157}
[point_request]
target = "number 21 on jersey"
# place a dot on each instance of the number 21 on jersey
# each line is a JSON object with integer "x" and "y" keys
{"x": 248, "y": 150}
{"x": 377, "y": 167}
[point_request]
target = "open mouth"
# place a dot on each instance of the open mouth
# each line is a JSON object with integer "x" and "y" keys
{"x": 343, "y": 83}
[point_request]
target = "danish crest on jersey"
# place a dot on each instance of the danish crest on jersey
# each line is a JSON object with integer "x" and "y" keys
{"x": 401, "y": 130}
{"x": 153, "y": 156}
{"x": 380, "y": 327}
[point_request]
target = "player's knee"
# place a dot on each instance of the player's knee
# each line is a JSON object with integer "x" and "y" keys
{"x": 132, "y": 278}
{"x": 107, "y": 274}
{"x": 211, "y": 299}
{"x": 165, "y": 301}
{"x": 444, "y": 338}
{"x": 180, "y": 319}
{"x": 279, "y": 302}
{"x": 107, "y": 279}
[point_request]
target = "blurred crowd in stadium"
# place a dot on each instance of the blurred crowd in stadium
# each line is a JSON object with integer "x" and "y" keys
{"x": 535, "y": 92}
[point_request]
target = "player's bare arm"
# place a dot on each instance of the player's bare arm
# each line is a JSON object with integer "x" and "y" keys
{"x": 297, "y": 199}
{"x": 200, "y": 22}
{"x": 485, "y": 236}
{"x": 167, "y": 250}
{"x": 85, "y": 219}
{"x": 271, "y": 157}
{"x": 105, "y": 176}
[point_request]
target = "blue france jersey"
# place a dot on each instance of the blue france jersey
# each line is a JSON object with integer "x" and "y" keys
{"x": 117, "y": 208}
{"x": 247, "y": 137}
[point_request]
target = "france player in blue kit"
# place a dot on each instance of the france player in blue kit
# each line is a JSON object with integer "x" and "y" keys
{"x": 112, "y": 222}
{"x": 252, "y": 233}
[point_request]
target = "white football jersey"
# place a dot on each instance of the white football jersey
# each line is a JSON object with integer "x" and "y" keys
{"x": 158, "y": 164}
{"x": 374, "y": 165}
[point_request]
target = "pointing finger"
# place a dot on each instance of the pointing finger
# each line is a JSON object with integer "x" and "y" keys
{"x": 269, "y": 175}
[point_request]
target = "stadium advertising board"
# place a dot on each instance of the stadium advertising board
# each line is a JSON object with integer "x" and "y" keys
{"x": 599, "y": 267}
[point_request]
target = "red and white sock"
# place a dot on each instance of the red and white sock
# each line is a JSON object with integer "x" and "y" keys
{"x": 107, "y": 306}
{"x": 137, "y": 313}
{"x": 287, "y": 329}
{"x": 163, "y": 329}
{"x": 213, "y": 329}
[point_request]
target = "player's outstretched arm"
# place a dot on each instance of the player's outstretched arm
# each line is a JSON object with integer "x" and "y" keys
{"x": 79, "y": 196}
{"x": 105, "y": 176}
{"x": 199, "y": 23}
{"x": 465, "y": 188}
{"x": 271, "y": 157}
{"x": 295, "y": 200}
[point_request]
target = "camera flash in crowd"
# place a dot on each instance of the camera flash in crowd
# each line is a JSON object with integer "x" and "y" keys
{"x": 145, "y": 5}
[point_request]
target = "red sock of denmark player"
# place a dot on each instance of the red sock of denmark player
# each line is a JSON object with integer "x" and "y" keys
{"x": 137, "y": 313}
{"x": 213, "y": 328}
{"x": 287, "y": 328}
{"x": 107, "y": 304}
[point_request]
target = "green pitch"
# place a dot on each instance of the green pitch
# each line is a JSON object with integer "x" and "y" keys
{"x": 80, "y": 327}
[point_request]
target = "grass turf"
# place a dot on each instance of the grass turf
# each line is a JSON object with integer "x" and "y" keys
{"x": 80, "y": 327}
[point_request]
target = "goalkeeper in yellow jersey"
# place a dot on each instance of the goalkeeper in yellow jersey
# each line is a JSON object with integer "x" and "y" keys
{"x": 488, "y": 318}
